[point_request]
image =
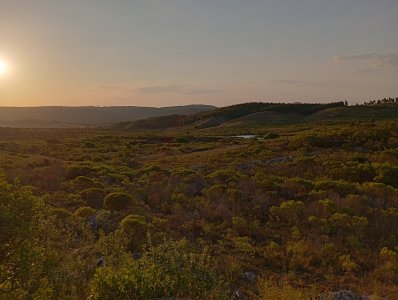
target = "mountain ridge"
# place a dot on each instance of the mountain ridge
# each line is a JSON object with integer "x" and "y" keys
{"x": 87, "y": 116}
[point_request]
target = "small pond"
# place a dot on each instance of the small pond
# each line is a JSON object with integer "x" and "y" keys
{"x": 246, "y": 136}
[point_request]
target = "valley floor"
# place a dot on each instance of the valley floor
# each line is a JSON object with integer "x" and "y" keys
{"x": 109, "y": 214}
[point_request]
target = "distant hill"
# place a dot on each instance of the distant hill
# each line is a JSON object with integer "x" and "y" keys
{"x": 259, "y": 114}
{"x": 252, "y": 114}
{"x": 355, "y": 112}
{"x": 87, "y": 116}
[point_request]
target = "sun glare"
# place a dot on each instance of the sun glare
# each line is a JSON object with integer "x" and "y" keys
{"x": 3, "y": 67}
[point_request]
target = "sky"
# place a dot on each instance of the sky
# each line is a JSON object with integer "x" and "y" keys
{"x": 177, "y": 52}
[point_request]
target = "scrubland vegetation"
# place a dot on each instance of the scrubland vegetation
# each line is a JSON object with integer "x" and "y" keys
{"x": 300, "y": 210}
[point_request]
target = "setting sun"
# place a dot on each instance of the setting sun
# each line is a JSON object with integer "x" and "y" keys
{"x": 3, "y": 67}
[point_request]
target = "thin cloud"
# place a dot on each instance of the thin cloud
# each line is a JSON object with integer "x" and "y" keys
{"x": 177, "y": 89}
{"x": 289, "y": 82}
{"x": 182, "y": 89}
{"x": 296, "y": 83}
{"x": 113, "y": 87}
{"x": 368, "y": 62}
{"x": 202, "y": 91}
{"x": 162, "y": 89}
{"x": 300, "y": 83}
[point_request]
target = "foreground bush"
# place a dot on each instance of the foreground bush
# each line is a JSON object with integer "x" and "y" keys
{"x": 270, "y": 289}
{"x": 21, "y": 252}
{"x": 167, "y": 270}
{"x": 41, "y": 257}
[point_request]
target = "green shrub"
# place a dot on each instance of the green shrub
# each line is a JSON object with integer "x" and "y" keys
{"x": 83, "y": 182}
{"x": 271, "y": 135}
{"x": 61, "y": 213}
{"x": 287, "y": 213}
{"x": 135, "y": 228}
{"x": 225, "y": 176}
{"x": 117, "y": 201}
{"x": 271, "y": 289}
{"x": 77, "y": 170}
{"x": 89, "y": 144}
{"x": 181, "y": 140}
{"x": 22, "y": 254}
{"x": 93, "y": 197}
{"x": 387, "y": 270}
{"x": 387, "y": 174}
{"x": 341, "y": 187}
{"x": 84, "y": 212}
{"x": 167, "y": 270}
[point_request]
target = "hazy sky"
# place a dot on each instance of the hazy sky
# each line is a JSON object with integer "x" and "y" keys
{"x": 171, "y": 52}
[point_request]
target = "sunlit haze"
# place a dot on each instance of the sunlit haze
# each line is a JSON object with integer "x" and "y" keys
{"x": 3, "y": 68}
{"x": 175, "y": 52}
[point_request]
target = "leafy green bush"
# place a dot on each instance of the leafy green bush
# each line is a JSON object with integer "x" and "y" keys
{"x": 84, "y": 212}
{"x": 89, "y": 144}
{"x": 341, "y": 187}
{"x": 83, "y": 182}
{"x": 117, "y": 201}
{"x": 135, "y": 228}
{"x": 270, "y": 289}
{"x": 93, "y": 197}
{"x": 22, "y": 255}
{"x": 271, "y": 135}
{"x": 167, "y": 270}
{"x": 287, "y": 213}
{"x": 78, "y": 170}
{"x": 181, "y": 140}
{"x": 387, "y": 174}
{"x": 387, "y": 270}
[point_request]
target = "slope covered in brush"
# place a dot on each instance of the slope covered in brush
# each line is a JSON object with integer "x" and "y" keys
{"x": 251, "y": 112}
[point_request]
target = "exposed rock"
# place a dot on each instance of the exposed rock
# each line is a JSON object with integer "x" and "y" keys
{"x": 101, "y": 262}
{"x": 361, "y": 149}
{"x": 342, "y": 295}
{"x": 238, "y": 295}
{"x": 170, "y": 298}
{"x": 277, "y": 160}
{"x": 136, "y": 255}
{"x": 93, "y": 223}
{"x": 249, "y": 276}
{"x": 263, "y": 163}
